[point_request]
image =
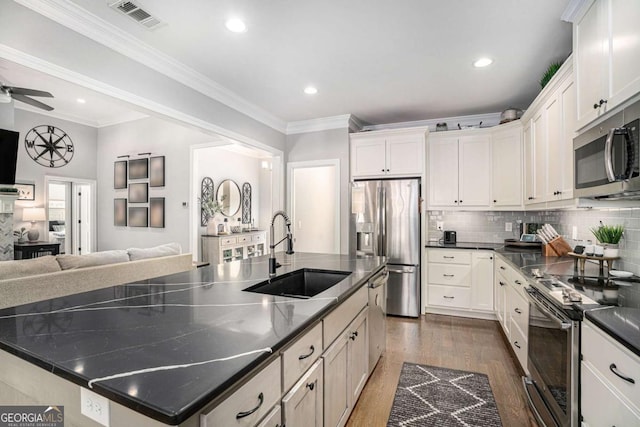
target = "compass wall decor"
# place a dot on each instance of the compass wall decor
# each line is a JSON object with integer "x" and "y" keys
{"x": 49, "y": 146}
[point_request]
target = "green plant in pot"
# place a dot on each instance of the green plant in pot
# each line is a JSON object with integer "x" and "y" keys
{"x": 609, "y": 236}
{"x": 20, "y": 234}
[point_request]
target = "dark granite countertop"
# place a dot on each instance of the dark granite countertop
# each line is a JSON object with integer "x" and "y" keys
{"x": 465, "y": 245}
{"x": 622, "y": 323}
{"x": 190, "y": 318}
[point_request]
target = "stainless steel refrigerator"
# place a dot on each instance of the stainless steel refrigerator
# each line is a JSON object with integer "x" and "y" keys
{"x": 386, "y": 219}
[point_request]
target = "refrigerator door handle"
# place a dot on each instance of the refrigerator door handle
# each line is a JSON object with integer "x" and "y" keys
{"x": 382, "y": 222}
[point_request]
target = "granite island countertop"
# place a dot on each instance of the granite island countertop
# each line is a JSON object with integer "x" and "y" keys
{"x": 183, "y": 323}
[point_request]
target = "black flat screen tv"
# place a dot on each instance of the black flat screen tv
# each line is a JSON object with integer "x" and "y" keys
{"x": 8, "y": 156}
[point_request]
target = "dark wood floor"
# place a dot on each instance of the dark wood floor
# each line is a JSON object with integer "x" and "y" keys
{"x": 449, "y": 342}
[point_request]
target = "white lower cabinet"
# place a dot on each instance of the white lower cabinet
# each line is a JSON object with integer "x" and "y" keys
{"x": 303, "y": 405}
{"x": 346, "y": 368}
{"x": 460, "y": 281}
{"x": 501, "y": 300}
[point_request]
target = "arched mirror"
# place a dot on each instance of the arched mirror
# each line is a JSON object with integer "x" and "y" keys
{"x": 228, "y": 195}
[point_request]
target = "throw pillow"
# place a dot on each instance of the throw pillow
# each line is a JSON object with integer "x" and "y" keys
{"x": 158, "y": 251}
{"x": 68, "y": 262}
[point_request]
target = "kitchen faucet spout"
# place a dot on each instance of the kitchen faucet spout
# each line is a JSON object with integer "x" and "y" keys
{"x": 273, "y": 264}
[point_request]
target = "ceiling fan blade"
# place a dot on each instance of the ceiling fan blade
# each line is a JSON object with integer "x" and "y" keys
{"x": 30, "y": 101}
{"x": 30, "y": 92}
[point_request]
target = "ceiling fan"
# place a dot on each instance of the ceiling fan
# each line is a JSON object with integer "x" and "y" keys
{"x": 22, "y": 94}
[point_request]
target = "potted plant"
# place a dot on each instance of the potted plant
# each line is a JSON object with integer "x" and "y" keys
{"x": 210, "y": 208}
{"x": 609, "y": 236}
{"x": 20, "y": 234}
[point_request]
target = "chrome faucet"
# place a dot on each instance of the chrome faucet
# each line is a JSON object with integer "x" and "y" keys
{"x": 273, "y": 264}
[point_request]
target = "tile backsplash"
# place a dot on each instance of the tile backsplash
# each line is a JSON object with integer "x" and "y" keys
{"x": 484, "y": 226}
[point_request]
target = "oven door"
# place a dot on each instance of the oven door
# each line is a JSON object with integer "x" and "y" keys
{"x": 553, "y": 362}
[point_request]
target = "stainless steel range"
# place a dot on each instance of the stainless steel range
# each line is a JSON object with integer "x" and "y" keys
{"x": 556, "y": 307}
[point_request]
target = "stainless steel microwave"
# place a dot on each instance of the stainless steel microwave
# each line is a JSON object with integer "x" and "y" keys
{"x": 607, "y": 158}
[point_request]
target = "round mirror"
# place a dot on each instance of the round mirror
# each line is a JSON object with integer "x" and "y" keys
{"x": 228, "y": 195}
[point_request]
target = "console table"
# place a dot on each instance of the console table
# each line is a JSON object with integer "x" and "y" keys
{"x": 233, "y": 247}
{"x": 35, "y": 249}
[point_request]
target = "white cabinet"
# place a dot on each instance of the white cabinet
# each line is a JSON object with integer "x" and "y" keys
{"x": 233, "y": 247}
{"x": 460, "y": 282}
{"x": 606, "y": 41}
{"x": 606, "y": 398}
{"x": 303, "y": 405}
{"x": 548, "y": 142}
{"x": 512, "y": 308}
{"x": 388, "y": 153}
{"x": 506, "y": 166}
{"x": 346, "y": 369}
{"x": 460, "y": 170}
{"x": 273, "y": 418}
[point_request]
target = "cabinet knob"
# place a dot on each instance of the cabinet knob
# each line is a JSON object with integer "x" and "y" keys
{"x": 387, "y": 170}
{"x": 310, "y": 386}
{"x": 381, "y": 170}
{"x": 460, "y": 201}
{"x": 595, "y": 106}
{"x": 603, "y": 101}
{"x": 495, "y": 201}
{"x": 529, "y": 198}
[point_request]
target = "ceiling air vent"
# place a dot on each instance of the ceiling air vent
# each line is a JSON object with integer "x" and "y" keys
{"x": 134, "y": 11}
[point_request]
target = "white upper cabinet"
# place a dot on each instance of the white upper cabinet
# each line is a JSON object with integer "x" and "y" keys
{"x": 460, "y": 171}
{"x": 606, "y": 41}
{"x": 388, "y": 153}
{"x": 506, "y": 151}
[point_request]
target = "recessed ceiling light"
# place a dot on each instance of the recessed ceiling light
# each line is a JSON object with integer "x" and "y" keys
{"x": 310, "y": 90}
{"x": 482, "y": 62}
{"x": 236, "y": 25}
{"x": 81, "y": 101}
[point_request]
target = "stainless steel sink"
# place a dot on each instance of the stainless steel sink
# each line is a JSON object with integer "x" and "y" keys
{"x": 303, "y": 283}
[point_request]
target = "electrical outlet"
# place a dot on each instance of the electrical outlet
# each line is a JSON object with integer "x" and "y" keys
{"x": 94, "y": 406}
{"x": 574, "y": 232}
{"x": 440, "y": 225}
{"x": 508, "y": 226}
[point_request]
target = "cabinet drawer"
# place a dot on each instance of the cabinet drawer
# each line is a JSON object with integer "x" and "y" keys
{"x": 259, "y": 238}
{"x": 518, "y": 308}
{"x": 451, "y": 256}
{"x": 273, "y": 419}
{"x": 301, "y": 355}
{"x": 600, "y": 405}
{"x": 224, "y": 241}
{"x": 519, "y": 283}
{"x": 339, "y": 319}
{"x": 452, "y": 275}
{"x": 267, "y": 383}
{"x": 244, "y": 239}
{"x": 518, "y": 342}
{"x": 602, "y": 352}
{"x": 449, "y": 296}
{"x": 503, "y": 267}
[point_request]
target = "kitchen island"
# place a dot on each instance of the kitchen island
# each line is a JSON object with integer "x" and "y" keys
{"x": 166, "y": 347}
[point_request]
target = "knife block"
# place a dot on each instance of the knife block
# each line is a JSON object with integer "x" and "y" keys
{"x": 556, "y": 247}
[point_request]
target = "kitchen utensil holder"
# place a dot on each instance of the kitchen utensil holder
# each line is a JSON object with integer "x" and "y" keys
{"x": 556, "y": 247}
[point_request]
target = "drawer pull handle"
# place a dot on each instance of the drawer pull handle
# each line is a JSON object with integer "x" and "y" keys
{"x": 251, "y": 411}
{"x": 310, "y": 386}
{"x": 501, "y": 283}
{"x": 304, "y": 356}
{"x": 502, "y": 268}
{"x": 448, "y": 275}
{"x": 516, "y": 344}
{"x": 613, "y": 368}
{"x": 517, "y": 310}
{"x": 518, "y": 282}
{"x": 444, "y": 296}
{"x": 449, "y": 257}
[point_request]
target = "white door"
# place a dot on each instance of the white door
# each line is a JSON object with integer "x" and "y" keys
{"x": 314, "y": 205}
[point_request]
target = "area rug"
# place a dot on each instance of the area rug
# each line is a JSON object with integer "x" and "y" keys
{"x": 431, "y": 396}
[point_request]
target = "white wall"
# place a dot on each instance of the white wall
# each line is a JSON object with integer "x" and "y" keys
{"x": 83, "y": 164}
{"x": 330, "y": 144}
{"x": 159, "y": 137}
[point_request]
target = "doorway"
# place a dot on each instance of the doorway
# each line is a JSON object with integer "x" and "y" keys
{"x": 71, "y": 214}
{"x": 314, "y": 205}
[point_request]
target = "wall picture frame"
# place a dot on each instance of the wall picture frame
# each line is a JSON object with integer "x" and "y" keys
{"x": 139, "y": 168}
{"x": 156, "y": 171}
{"x": 26, "y": 191}
{"x": 138, "y": 216}
{"x": 120, "y": 175}
{"x": 156, "y": 212}
{"x": 138, "y": 192}
{"x": 120, "y": 212}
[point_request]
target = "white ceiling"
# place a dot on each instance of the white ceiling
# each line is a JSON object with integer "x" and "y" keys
{"x": 384, "y": 61}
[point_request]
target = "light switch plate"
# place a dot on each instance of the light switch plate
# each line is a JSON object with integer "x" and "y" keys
{"x": 94, "y": 406}
{"x": 508, "y": 226}
{"x": 440, "y": 225}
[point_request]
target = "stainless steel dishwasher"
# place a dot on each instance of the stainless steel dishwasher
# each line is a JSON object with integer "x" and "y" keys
{"x": 377, "y": 316}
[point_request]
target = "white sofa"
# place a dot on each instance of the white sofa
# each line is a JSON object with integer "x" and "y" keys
{"x": 38, "y": 279}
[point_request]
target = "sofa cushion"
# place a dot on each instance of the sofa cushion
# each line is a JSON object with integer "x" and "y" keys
{"x": 28, "y": 267}
{"x": 157, "y": 251}
{"x": 68, "y": 262}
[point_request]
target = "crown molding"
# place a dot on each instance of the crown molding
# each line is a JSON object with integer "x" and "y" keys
{"x": 489, "y": 119}
{"x": 323, "y": 123}
{"x": 573, "y": 9}
{"x": 89, "y": 25}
